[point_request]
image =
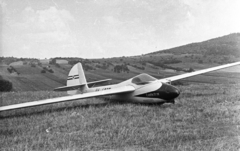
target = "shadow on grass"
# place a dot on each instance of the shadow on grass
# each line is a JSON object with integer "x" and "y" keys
{"x": 30, "y": 111}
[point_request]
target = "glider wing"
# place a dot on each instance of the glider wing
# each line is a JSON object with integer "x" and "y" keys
{"x": 112, "y": 91}
{"x": 183, "y": 76}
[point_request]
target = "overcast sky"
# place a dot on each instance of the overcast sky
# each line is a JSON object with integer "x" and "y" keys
{"x": 109, "y": 28}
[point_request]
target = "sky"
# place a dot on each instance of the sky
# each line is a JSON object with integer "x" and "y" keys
{"x": 110, "y": 28}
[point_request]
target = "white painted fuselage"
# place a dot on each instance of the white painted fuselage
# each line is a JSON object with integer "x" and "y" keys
{"x": 151, "y": 92}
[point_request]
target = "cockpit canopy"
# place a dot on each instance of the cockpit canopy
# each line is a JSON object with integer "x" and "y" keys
{"x": 143, "y": 79}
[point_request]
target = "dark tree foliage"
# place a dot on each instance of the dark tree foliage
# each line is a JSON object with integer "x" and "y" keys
{"x": 52, "y": 61}
{"x": 57, "y": 65}
{"x": 87, "y": 67}
{"x": 11, "y": 69}
{"x": 121, "y": 68}
{"x": 104, "y": 65}
{"x": 5, "y": 86}
{"x": 190, "y": 70}
{"x": 160, "y": 64}
{"x": 47, "y": 69}
{"x": 73, "y": 62}
{"x": 39, "y": 64}
{"x": 50, "y": 70}
{"x": 43, "y": 71}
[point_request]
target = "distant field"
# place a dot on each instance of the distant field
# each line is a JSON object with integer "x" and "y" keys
{"x": 32, "y": 79}
{"x": 205, "y": 117}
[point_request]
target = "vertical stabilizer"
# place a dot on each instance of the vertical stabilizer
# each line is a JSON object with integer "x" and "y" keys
{"x": 76, "y": 76}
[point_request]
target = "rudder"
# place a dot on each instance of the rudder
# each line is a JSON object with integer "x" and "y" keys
{"x": 76, "y": 76}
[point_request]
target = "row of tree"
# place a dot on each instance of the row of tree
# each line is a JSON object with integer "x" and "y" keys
{"x": 11, "y": 69}
{"x": 160, "y": 64}
{"x": 47, "y": 69}
{"x": 121, "y": 68}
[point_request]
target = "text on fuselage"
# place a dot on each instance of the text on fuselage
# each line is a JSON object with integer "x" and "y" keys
{"x": 98, "y": 89}
{"x": 152, "y": 94}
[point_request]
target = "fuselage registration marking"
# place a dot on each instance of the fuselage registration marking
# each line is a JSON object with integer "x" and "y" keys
{"x": 152, "y": 94}
{"x": 101, "y": 89}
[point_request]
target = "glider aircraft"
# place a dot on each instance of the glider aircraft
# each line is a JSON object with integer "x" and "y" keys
{"x": 142, "y": 88}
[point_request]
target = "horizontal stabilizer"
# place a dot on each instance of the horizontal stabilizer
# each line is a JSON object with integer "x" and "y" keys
{"x": 68, "y": 88}
{"x": 77, "y": 86}
{"x": 90, "y": 84}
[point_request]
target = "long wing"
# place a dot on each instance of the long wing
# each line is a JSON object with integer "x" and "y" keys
{"x": 183, "y": 76}
{"x": 118, "y": 90}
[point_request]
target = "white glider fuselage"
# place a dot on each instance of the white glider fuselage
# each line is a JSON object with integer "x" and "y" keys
{"x": 149, "y": 91}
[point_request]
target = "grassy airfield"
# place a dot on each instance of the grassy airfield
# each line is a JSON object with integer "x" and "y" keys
{"x": 205, "y": 117}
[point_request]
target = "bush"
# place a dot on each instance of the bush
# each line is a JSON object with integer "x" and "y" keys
{"x": 190, "y": 70}
{"x": 9, "y": 70}
{"x": 5, "y": 85}
{"x": 57, "y": 65}
{"x": 43, "y": 71}
{"x": 121, "y": 68}
{"x": 50, "y": 70}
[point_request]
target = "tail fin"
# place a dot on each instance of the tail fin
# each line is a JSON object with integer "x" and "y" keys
{"x": 76, "y": 76}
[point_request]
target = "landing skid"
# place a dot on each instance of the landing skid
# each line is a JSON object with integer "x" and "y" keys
{"x": 171, "y": 101}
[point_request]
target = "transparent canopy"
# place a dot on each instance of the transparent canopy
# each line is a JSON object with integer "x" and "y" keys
{"x": 143, "y": 79}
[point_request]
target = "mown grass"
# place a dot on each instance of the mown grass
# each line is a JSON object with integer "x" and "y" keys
{"x": 205, "y": 117}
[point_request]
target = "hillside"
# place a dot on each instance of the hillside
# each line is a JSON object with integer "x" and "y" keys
{"x": 31, "y": 74}
{"x": 226, "y": 45}
{"x": 218, "y": 50}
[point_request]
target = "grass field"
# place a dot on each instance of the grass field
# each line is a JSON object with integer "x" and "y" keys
{"x": 205, "y": 117}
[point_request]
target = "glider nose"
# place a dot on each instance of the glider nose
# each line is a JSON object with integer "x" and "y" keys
{"x": 168, "y": 92}
{"x": 174, "y": 92}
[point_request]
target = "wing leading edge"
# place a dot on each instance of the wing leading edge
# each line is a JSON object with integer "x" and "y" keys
{"x": 183, "y": 76}
{"x": 113, "y": 91}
